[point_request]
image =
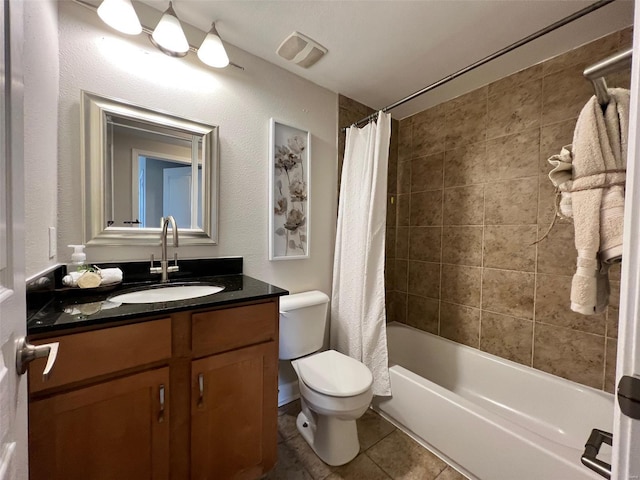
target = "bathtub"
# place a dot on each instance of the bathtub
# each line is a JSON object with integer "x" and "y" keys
{"x": 491, "y": 418}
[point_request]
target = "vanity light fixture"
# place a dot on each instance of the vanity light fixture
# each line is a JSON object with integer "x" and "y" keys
{"x": 120, "y": 14}
{"x": 212, "y": 51}
{"x": 169, "y": 36}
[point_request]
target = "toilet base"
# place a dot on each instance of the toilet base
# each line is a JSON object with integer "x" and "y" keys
{"x": 335, "y": 441}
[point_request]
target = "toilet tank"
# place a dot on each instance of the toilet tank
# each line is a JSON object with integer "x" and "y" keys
{"x": 303, "y": 319}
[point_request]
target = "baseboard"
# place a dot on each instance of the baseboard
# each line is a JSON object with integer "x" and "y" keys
{"x": 288, "y": 392}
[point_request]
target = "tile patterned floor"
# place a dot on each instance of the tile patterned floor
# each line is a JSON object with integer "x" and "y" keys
{"x": 386, "y": 453}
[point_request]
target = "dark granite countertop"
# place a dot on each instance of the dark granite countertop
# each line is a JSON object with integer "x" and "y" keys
{"x": 62, "y": 310}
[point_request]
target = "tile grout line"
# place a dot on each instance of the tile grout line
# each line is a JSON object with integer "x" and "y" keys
{"x": 444, "y": 166}
{"x": 441, "y": 471}
{"x": 294, "y": 454}
{"x": 484, "y": 229}
{"x": 440, "y": 475}
{"x": 610, "y": 339}
{"x": 410, "y": 162}
{"x": 604, "y": 366}
{"x": 442, "y": 204}
{"x": 393, "y": 200}
{"x": 379, "y": 466}
{"x": 380, "y": 439}
{"x": 537, "y": 244}
{"x": 482, "y": 267}
{"x": 397, "y": 225}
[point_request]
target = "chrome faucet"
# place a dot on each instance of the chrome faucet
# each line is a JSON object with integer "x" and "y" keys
{"x": 164, "y": 269}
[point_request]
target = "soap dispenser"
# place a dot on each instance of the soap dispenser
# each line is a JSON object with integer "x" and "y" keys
{"x": 78, "y": 259}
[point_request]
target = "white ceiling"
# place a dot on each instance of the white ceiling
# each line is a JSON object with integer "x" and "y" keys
{"x": 382, "y": 51}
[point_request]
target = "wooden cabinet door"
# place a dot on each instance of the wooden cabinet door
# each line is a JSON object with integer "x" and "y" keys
{"x": 234, "y": 413}
{"x": 118, "y": 429}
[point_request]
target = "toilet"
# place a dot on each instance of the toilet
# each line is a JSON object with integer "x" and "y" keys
{"x": 335, "y": 389}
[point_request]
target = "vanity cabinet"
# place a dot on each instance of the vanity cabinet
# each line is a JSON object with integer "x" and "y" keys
{"x": 234, "y": 384}
{"x": 191, "y": 395}
{"x": 114, "y": 429}
{"x": 103, "y": 412}
{"x": 231, "y": 417}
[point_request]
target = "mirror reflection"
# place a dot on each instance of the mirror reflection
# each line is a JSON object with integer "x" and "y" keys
{"x": 153, "y": 172}
{"x": 143, "y": 165}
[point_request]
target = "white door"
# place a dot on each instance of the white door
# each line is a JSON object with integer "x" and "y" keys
{"x": 626, "y": 433}
{"x": 13, "y": 388}
{"x": 176, "y": 195}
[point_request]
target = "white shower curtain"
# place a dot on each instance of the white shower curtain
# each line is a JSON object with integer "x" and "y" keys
{"x": 358, "y": 322}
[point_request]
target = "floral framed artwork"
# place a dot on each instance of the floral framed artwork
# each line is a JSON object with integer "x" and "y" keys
{"x": 289, "y": 153}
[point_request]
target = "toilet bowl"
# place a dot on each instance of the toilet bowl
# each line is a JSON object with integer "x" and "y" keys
{"x": 335, "y": 391}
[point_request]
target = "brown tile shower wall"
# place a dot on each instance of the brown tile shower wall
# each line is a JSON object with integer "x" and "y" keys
{"x": 472, "y": 197}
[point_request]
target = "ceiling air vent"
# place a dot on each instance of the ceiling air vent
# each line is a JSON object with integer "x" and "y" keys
{"x": 301, "y": 50}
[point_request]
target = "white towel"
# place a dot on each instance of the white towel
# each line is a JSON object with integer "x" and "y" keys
{"x": 109, "y": 276}
{"x": 71, "y": 279}
{"x": 562, "y": 178}
{"x": 599, "y": 145}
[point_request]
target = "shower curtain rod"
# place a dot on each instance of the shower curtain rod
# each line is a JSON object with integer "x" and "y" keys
{"x": 554, "y": 26}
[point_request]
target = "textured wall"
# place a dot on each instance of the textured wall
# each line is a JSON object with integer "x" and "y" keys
{"x": 41, "y": 69}
{"x": 473, "y": 195}
{"x": 97, "y": 59}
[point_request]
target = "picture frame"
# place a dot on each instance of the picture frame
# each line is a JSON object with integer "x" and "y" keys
{"x": 289, "y": 191}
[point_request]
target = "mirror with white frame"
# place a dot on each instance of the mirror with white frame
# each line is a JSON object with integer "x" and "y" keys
{"x": 139, "y": 165}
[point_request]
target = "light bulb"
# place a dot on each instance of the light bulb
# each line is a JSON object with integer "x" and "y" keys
{"x": 169, "y": 36}
{"x": 212, "y": 50}
{"x": 119, "y": 14}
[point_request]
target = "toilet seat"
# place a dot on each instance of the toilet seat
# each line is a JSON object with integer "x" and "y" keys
{"x": 334, "y": 374}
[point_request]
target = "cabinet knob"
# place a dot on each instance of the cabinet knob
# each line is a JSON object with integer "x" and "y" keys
{"x": 26, "y": 353}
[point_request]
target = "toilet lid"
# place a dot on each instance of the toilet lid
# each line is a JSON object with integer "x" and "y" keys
{"x": 334, "y": 374}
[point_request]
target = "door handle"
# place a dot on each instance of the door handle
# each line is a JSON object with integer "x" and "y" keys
{"x": 26, "y": 353}
{"x": 629, "y": 396}
{"x": 591, "y": 449}
{"x": 161, "y": 395}
{"x": 200, "y": 389}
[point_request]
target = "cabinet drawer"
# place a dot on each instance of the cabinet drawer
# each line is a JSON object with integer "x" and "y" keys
{"x": 89, "y": 354}
{"x": 222, "y": 330}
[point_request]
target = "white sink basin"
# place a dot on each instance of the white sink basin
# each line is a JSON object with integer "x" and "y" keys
{"x": 167, "y": 294}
